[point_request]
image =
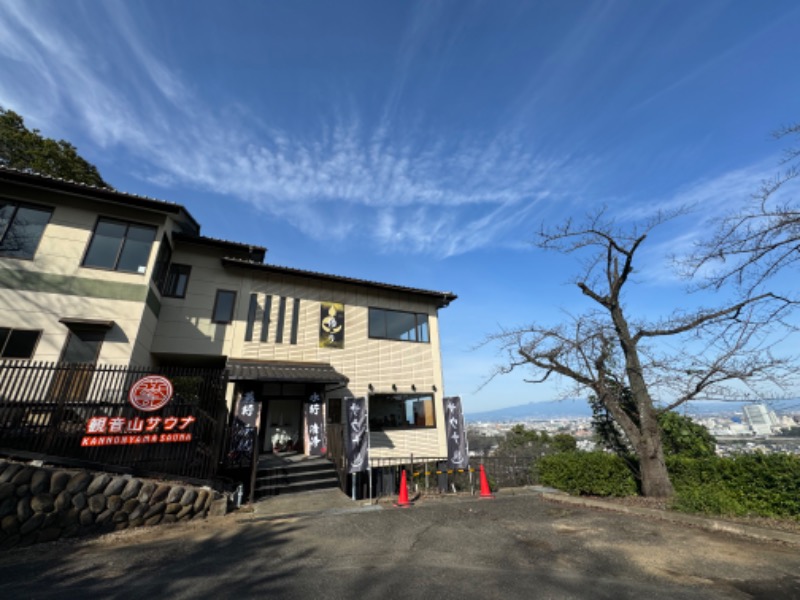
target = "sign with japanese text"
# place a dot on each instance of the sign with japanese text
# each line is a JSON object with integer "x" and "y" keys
{"x": 331, "y": 325}
{"x": 150, "y": 393}
{"x": 244, "y": 431}
{"x": 457, "y": 450}
{"x": 356, "y": 436}
{"x": 147, "y": 394}
{"x": 315, "y": 425}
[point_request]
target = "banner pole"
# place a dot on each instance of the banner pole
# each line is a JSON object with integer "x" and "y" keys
{"x": 369, "y": 450}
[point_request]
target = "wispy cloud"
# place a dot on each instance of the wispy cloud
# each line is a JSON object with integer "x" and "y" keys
{"x": 409, "y": 190}
{"x": 706, "y": 201}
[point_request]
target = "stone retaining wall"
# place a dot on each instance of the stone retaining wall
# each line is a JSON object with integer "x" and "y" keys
{"x": 41, "y": 504}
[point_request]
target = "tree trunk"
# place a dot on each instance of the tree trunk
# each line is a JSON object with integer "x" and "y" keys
{"x": 650, "y": 450}
{"x": 655, "y": 479}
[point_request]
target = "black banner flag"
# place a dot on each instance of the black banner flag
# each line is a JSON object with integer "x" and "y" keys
{"x": 244, "y": 432}
{"x": 315, "y": 426}
{"x": 457, "y": 451}
{"x": 355, "y": 436}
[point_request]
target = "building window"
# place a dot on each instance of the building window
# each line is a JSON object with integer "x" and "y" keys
{"x": 83, "y": 346}
{"x": 162, "y": 264}
{"x": 21, "y": 228}
{"x": 251, "y": 318}
{"x": 401, "y": 411}
{"x": 281, "y": 317}
{"x": 398, "y": 325}
{"x": 295, "y": 321}
{"x": 18, "y": 343}
{"x": 120, "y": 246}
{"x": 176, "y": 281}
{"x": 265, "y": 319}
{"x": 223, "y": 306}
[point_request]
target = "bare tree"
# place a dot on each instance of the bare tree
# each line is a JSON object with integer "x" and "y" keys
{"x": 605, "y": 350}
{"x": 751, "y": 245}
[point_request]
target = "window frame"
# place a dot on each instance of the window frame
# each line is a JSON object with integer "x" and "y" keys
{"x": 4, "y": 340}
{"x": 81, "y": 334}
{"x": 251, "y": 318}
{"x": 379, "y": 422}
{"x": 174, "y": 273}
{"x": 163, "y": 264}
{"x": 4, "y": 253}
{"x": 214, "y": 315}
{"x": 120, "y": 245}
{"x": 421, "y": 327}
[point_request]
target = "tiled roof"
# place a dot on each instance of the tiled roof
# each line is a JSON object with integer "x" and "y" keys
{"x": 443, "y": 298}
{"x": 256, "y": 252}
{"x": 93, "y": 191}
{"x": 256, "y": 370}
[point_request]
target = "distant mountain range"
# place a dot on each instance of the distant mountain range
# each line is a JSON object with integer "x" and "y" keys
{"x": 575, "y": 408}
{"x": 553, "y": 409}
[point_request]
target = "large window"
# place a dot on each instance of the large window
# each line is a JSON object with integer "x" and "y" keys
{"x": 223, "y": 306}
{"x": 403, "y": 411}
{"x": 18, "y": 343}
{"x": 120, "y": 246}
{"x": 21, "y": 228}
{"x": 398, "y": 325}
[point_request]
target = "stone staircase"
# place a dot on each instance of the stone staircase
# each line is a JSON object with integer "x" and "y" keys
{"x": 290, "y": 473}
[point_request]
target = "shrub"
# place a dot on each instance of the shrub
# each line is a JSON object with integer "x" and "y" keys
{"x": 749, "y": 484}
{"x": 587, "y": 474}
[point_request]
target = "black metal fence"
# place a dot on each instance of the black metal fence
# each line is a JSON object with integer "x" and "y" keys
{"x": 82, "y": 412}
{"x": 432, "y": 476}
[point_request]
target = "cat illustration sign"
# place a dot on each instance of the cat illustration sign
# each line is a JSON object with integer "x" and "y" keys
{"x": 150, "y": 393}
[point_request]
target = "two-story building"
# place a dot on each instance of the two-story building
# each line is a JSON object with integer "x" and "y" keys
{"x": 89, "y": 275}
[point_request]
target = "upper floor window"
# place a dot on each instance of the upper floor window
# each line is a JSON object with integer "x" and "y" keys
{"x": 21, "y": 228}
{"x": 177, "y": 280}
{"x": 162, "y": 263}
{"x": 120, "y": 246}
{"x": 223, "y": 306}
{"x": 398, "y": 325}
{"x": 18, "y": 343}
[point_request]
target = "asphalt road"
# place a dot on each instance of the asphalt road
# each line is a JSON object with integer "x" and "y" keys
{"x": 512, "y": 547}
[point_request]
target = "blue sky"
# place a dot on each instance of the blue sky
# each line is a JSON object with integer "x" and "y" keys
{"x": 421, "y": 143}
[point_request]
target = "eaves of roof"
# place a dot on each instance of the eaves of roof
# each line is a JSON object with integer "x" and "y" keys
{"x": 442, "y": 298}
{"x": 256, "y": 253}
{"x": 250, "y": 370}
{"x": 67, "y": 186}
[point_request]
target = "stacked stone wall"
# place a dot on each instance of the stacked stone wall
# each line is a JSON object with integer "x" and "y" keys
{"x": 42, "y": 504}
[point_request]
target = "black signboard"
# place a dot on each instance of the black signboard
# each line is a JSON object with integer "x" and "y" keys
{"x": 244, "y": 431}
{"x": 356, "y": 435}
{"x": 315, "y": 426}
{"x": 457, "y": 451}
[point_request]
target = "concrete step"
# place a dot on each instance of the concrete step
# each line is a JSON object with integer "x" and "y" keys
{"x": 281, "y": 489}
{"x": 282, "y": 475}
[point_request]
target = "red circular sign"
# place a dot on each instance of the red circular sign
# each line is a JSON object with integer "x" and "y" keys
{"x": 150, "y": 393}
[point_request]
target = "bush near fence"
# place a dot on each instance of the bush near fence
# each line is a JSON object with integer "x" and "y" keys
{"x": 765, "y": 485}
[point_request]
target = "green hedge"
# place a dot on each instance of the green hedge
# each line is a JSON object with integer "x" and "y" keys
{"x": 587, "y": 474}
{"x": 750, "y": 484}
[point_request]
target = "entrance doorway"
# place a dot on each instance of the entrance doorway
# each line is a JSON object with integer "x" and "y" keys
{"x": 282, "y": 424}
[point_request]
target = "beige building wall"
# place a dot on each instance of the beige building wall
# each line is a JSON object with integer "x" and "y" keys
{"x": 35, "y": 294}
{"x": 185, "y": 327}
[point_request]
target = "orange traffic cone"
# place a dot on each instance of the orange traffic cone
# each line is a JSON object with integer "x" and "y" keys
{"x": 402, "y": 499}
{"x": 485, "y": 491}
